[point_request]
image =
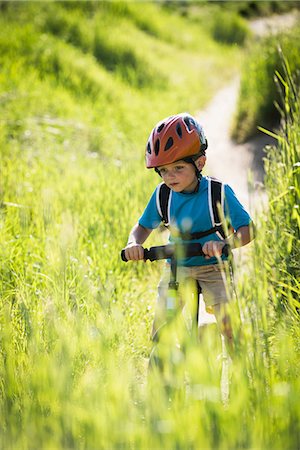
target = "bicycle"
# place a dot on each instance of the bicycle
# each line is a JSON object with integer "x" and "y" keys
{"x": 168, "y": 349}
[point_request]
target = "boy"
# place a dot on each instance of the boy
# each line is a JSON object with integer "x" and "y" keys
{"x": 176, "y": 149}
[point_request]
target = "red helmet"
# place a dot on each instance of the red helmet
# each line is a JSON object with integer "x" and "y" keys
{"x": 174, "y": 138}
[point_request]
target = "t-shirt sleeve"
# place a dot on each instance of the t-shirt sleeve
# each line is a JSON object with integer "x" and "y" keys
{"x": 236, "y": 212}
{"x": 150, "y": 217}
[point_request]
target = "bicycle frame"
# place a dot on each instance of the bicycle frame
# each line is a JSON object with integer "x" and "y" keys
{"x": 171, "y": 252}
{"x": 163, "y": 347}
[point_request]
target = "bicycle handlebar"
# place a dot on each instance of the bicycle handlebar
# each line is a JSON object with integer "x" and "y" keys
{"x": 169, "y": 251}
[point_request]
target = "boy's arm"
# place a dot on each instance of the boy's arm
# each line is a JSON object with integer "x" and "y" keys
{"x": 134, "y": 249}
{"x": 241, "y": 237}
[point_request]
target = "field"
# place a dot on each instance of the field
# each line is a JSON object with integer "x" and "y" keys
{"x": 82, "y": 84}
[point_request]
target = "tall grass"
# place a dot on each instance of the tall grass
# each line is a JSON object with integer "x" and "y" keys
{"x": 269, "y": 294}
{"x": 74, "y": 320}
{"x": 258, "y": 93}
{"x": 262, "y": 8}
{"x": 285, "y": 195}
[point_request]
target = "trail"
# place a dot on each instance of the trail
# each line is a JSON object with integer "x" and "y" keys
{"x": 274, "y": 24}
{"x": 230, "y": 162}
{"x": 235, "y": 163}
{"x": 226, "y": 160}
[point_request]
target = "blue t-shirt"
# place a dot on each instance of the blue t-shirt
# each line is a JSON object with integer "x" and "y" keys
{"x": 189, "y": 212}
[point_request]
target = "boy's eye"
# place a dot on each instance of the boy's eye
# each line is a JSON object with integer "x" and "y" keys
{"x": 165, "y": 171}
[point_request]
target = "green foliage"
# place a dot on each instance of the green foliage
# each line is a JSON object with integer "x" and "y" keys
{"x": 225, "y": 25}
{"x": 74, "y": 320}
{"x": 249, "y": 9}
{"x": 269, "y": 293}
{"x": 258, "y": 92}
{"x": 78, "y": 98}
{"x": 285, "y": 194}
{"x": 229, "y": 27}
{"x": 45, "y": 50}
{"x": 252, "y": 9}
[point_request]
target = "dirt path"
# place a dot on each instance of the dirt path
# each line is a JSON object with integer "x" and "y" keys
{"x": 228, "y": 161}
{"x": 273, "y": 24}
{"x": 232, "y": 163}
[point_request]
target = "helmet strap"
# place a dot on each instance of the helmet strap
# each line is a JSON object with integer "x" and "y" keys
{"x": 191, "y": 160}
{"x": 157, "y": 171}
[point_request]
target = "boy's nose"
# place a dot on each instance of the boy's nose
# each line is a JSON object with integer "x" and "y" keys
{"x": 171, "y": 174}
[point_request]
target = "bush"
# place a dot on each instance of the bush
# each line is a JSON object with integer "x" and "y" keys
{"x": 229, "y": 28}
{"x": 258, "y": 91}
{"x": 252, "y": 9}
{"x": 284, "y": 195}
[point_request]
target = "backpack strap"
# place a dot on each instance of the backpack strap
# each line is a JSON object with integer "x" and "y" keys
{"x": 216, "y": 204}
{"x": 163, "y": 202}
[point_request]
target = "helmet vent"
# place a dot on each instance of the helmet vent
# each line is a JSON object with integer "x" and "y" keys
{"x": 159, "y": 129}
{"x": 156, "y": 147}
{"x": 187, "y": 121}
{"x": 149, "y": 148}
{"x": 179, "y": 130}
{"x": 169, "y": 143}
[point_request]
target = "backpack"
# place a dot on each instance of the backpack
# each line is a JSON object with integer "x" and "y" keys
{"x": 215, "y": 200}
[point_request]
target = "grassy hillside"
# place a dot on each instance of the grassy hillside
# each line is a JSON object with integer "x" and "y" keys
{"x": 82, "y": 84}
{"x": 111, "y": 54}
{"x": 259, "y": 94}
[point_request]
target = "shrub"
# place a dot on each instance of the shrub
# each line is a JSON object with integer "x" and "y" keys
{"x": 258, "y": 90}
{"x": 229, "y": 28}
{"x": 284, "y": 195}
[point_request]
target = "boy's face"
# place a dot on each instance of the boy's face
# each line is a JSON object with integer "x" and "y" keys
{"x": 179, "y": 176}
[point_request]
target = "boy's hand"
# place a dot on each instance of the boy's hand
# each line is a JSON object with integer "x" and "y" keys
{"x": 134, "y": 252}
{"x": 213, "y": 248}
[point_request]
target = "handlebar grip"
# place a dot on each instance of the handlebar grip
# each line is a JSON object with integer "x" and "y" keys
{"x": 123, "y": 257}
{"x": 167, "y": 251}
{"x": 153, "y": 253}
{"x": 226, "y": 250}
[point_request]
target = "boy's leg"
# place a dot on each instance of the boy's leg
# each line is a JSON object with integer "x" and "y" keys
{"x": 157, "y": 358}
{"x": 160, "y": 315}
{"x": 224, "y": 324}
{"x": 217, "y": 292}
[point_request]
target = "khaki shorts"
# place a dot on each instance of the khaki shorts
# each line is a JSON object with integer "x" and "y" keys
{"x": 213, "y": 280}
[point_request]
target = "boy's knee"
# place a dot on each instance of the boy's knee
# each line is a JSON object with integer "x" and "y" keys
{"x": 223, "y": 319}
